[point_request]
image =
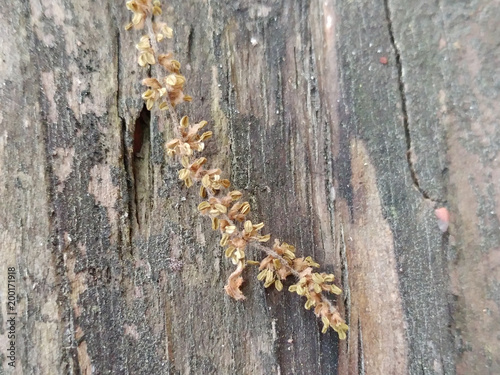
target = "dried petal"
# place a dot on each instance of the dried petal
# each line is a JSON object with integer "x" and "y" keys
{"x": 262, "y": 275}
{"x": 215, "y": 223}
{"x": 233, "y": 285}
{"x": 248, "y": 226}
{"x": 316, "y": 277}
{"x": 278, "y": 285}
{"x": 224, "y": 239}
{"x": 229, "y": 251}
{"x": 335, "y": 289}
{"x": 221, "y": 208}
{"x": 309, "y": 304}
{"x": 235, "y": 195}
{"x": 265, "y": 238}
{"x": 326, "y": 324}
{"x": 258, "y": 226}
{"x": 277, "y": 263}
{"x": 184, "y": 122}
{"x": 205, "y": 135}
{"x": 230, "y": 229}
{"x": 317, "y": 288}
{"x": 204, "y": 205}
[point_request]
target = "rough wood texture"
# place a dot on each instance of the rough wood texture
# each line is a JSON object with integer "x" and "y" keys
{"x": 302, "y": 110}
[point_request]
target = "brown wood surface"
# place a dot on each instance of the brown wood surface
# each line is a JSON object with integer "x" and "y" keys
{"x": 341, "y": 154}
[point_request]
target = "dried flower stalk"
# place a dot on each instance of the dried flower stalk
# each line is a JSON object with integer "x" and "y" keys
{"x": 226, "y": 208}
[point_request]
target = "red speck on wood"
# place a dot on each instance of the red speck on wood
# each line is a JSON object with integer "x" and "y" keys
{"x": 443, "y": 216}
{"x": 383, "y": 60}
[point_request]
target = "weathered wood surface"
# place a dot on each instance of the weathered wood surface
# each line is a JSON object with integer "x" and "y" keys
{"x": 302, "y": 109}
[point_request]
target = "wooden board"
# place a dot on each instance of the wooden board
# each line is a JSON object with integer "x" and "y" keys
{"x": 342, "y": 153}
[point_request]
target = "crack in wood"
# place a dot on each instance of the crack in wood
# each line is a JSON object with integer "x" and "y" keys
{"x": 190, "y": 44}
{"x": 128, "y": 168}
{"x": 402, "y": 92}
{"x": 140, "y": 163}
{"x": 345, "y": 279}
{"x": 361, "y": 358}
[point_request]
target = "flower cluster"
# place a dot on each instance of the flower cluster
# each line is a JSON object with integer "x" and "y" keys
{"x": 146, "y": 52}
{"x": 311, "y": 285}
{"x": 226, "y": 208}
{"x": 142, "y": 9}
{"x": 189, "y": 139}
{"x": 172, "y": 88}
{"x": 228, "y": 216}
{"x": 273, "y": 268}
{"x": 281, "y": 264}
{"x": 166, "y": 91}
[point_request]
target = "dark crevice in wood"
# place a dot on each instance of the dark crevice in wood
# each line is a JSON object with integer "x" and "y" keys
{"x": 296, "y": 68}
{"x": 128, "y": 167}
{"x": 190, "y": 44}
{"x": 140, "y": 161}
{"x": 345, "y": 280}
{"x": 140, "y": 126}
{"x": 404, "y": 111}
{"x": 361, "y": 358}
